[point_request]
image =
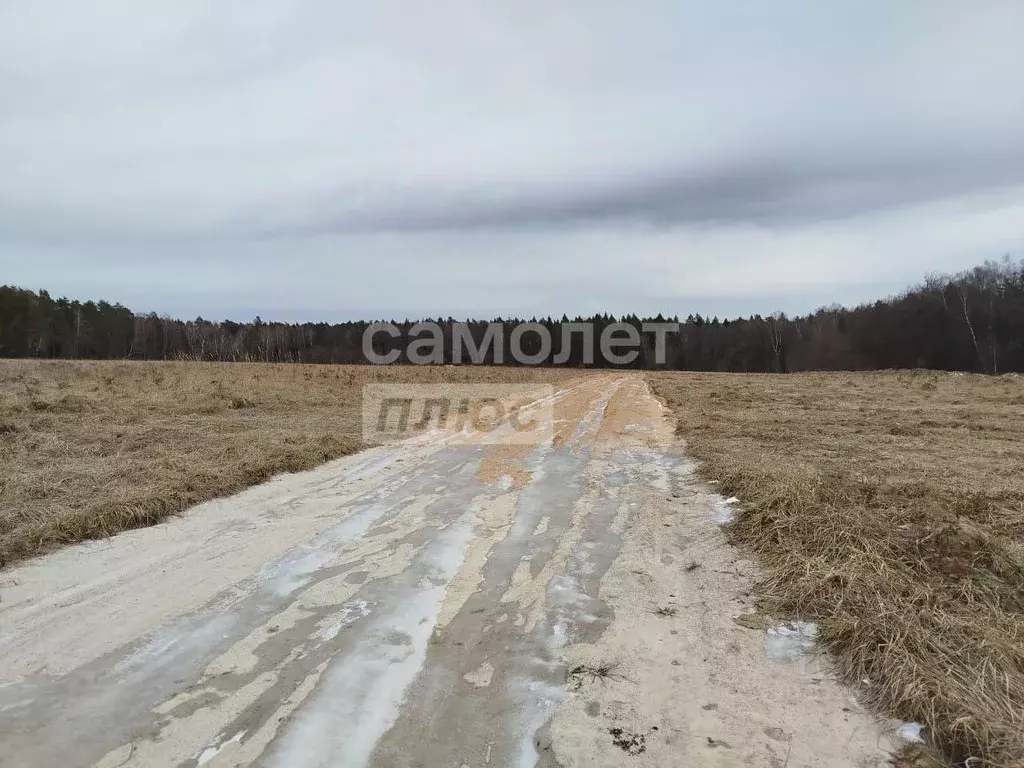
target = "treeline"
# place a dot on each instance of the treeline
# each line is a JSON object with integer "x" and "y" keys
{"x": 972, "y": 321}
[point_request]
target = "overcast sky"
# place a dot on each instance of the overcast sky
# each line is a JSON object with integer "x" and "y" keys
{"x": 323, "y": 159}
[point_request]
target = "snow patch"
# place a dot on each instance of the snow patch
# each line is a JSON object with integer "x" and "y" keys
{"x": 911, "y": 732}
{"x": 724, "y": 513}
{"x": 789, "y": 643}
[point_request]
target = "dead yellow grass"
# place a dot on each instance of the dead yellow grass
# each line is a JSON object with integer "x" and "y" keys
{"x": 890, "y": 508}
{"x": 88, "y": 449}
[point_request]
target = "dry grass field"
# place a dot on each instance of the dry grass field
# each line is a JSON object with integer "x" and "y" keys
{"x": 91, "y": 448}
{"x": 889, "y": 507}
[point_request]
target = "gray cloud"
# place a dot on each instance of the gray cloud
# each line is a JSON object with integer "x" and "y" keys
{"x": 778, "y": 154}
{"x": 769, "y": 192}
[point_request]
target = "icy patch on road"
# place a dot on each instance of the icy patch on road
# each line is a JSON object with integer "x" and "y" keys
{"x": 657, "y": 472}
{"x": 569, "y": 604}
{"x": 189, "y": 639}
{"x": 15, "y": 705}
{"x": 362, "y": 691}
{"x": 294, "y": 569}
{"x": 211, "y": 752}
{"x": 292, "y": 572}
{"x": 541, "y": 701}
{"x": 349, "y": 612}
{"x": 591, "y": 421}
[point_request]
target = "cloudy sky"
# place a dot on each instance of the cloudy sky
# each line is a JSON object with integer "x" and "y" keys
{"x": 323, "y": 159}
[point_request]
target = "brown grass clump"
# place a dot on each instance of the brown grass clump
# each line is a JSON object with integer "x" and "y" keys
{"x": 890, "y": 508}
{"x": 88, "y": 449}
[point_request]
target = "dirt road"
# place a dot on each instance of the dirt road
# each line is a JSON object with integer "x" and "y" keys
{"x": 436, "y": 602}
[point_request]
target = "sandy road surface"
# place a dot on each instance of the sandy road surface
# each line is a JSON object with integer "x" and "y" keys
{"x": 421, "y": 605}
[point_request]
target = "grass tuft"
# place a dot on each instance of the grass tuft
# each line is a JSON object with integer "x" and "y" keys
{"x": 579, "y": 675}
